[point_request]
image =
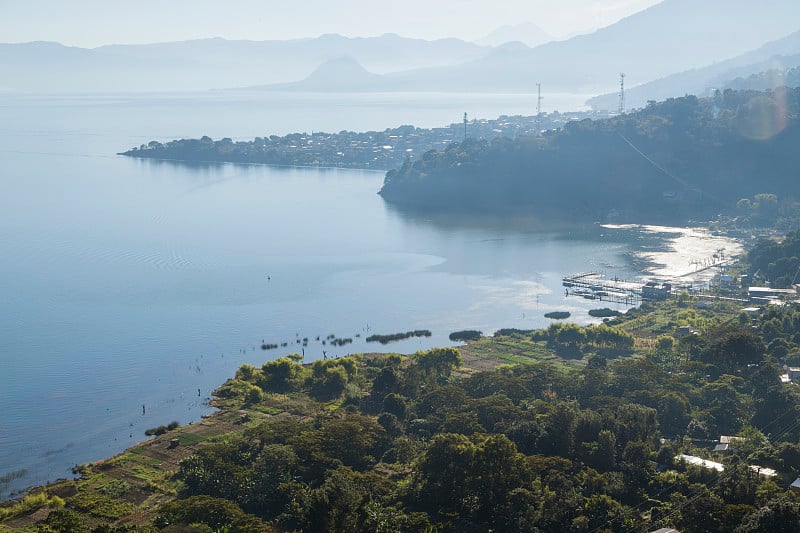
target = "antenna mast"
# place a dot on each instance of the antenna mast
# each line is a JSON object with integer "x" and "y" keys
{"x": 538, "y": 109}
{"x": 621, "y": 93}
{"x": 465, "y": 125}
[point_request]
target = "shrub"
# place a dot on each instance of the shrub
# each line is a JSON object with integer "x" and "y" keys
{"x": 160, "y": 430}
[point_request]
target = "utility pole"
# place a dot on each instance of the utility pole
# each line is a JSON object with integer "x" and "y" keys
{"x": 621, "y": 93}
{"x": 465, "y": 125}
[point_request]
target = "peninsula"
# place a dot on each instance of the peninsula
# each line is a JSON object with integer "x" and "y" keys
{"x": 375, "y": 150}
{"x": 681, "y": 159}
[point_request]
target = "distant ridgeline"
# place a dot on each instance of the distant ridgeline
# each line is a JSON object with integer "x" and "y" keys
{"x": 684, "y": 158}
{"x": 380, "y": 150}
{"x": 768, "y": 79}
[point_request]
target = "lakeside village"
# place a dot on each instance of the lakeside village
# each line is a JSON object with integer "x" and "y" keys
{"x": 375, "y": 150}
{"x": 720, "y": 286}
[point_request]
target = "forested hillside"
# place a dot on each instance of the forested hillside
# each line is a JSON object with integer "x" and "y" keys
{"x": 684, "y": 158}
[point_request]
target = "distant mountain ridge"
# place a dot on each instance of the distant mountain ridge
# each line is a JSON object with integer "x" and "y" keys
{"x": 527, "y": 33}
{"x": 672, "y": 36}
{"x": 211, "y": 63}
{"x": 778, "y": 55}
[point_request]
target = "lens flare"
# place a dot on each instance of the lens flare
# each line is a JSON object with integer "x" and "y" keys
{"x": 763, "y": 117}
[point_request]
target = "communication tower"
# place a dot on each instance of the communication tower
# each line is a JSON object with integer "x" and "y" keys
{"x": 539, "y": 109}
{"x": 465, "y": 125}
{"x": 621, "y": 93}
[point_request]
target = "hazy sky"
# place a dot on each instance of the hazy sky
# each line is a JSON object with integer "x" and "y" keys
{"x": 90, "y": 23}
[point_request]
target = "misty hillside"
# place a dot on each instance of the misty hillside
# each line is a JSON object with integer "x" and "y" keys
{"x": 681, "y": 159}
{"x": 339, "y": 74}
{"x": 769, "y": 79}
{"x": 211, "y": 63}
{"x": 670, "y": 37}
{"x": 776, "y": 56}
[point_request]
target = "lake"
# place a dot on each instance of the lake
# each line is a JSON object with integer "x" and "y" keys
{"x": 128, "y": 283}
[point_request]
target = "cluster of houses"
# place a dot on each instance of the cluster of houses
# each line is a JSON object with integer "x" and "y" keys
{"x": 725, "y": 445}
{"x": 772, "y": 296}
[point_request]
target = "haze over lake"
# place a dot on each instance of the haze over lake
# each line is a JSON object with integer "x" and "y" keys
{"x": 129, "y": 282}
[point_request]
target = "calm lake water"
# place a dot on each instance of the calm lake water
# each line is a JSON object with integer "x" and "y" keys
{"x": 128, "y": 282}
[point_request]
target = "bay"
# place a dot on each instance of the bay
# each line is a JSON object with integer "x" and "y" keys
{"x": 129, "y": 283}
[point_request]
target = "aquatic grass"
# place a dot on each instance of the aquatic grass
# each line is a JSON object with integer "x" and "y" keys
{"x": 605, "y": 312}
{"x": 394, "y": 337}
{"x": 465, "y": 335}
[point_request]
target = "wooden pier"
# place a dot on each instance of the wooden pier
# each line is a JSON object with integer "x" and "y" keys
{"x": 595, "y": 286}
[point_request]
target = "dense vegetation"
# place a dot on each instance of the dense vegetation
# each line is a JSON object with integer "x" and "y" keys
{"x": 411, "y": 443}
{"x": 581, "y": 433}
{"x": 768, "y": 79}
{"x": 684, "y": 158}
{"x": 567, "y": 428}
{"x": 778, "y": 260}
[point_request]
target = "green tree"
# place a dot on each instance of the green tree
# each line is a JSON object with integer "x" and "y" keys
{"x": 602, "y": 513}
{"x": 281, "y": 375}
{"x": 62, "y": 521}
{"x": 569, "y": 338}
{"x": 439, "y": 361}
{"x": 497, "y": 472}
{"x": 444, "y": 471}
{"x": 781, "y": 515}
{"x": 357, "y": 441}
{"x": 218, "y": 513}
{"x": 272, "y": 489}
{"x": 340, "y": 504}
{"x": 733, "y": 347}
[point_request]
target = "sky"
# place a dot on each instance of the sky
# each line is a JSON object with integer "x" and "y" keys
{"x": 92, "y": 23}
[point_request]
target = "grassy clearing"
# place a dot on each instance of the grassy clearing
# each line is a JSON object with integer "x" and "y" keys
{"x": 100, "y": 506}
{"x": 490, "y": 352}
{"x": 665, "y": 317}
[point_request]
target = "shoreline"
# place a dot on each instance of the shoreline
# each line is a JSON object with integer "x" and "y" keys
{"x": 248, "y": 163}
{"x": 18, "y": 490}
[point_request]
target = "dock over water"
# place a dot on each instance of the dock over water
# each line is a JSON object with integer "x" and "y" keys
{"x": 595, "y": 286}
